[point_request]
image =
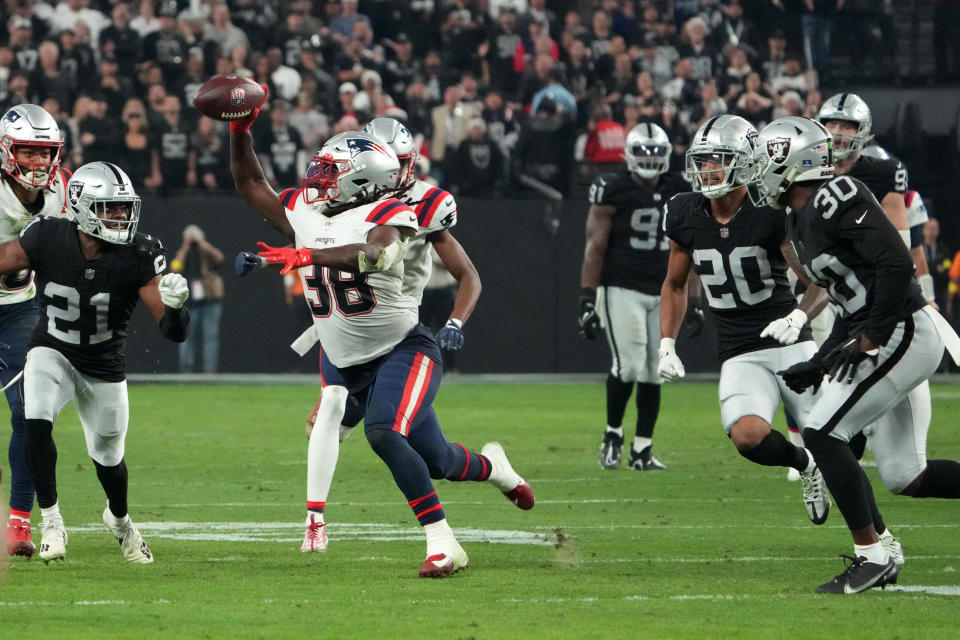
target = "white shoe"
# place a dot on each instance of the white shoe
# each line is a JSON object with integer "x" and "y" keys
{"x": 446, "y": 563}
{"x": 315, "y": 537}
{"x": 793, "y": 475}
{"x": 503, "y": 477}
{"x": 815, "y": 496}
{"x": 131, "y": 542}
{"x": 53, "y": 544}
{"x": 894, "y": 549}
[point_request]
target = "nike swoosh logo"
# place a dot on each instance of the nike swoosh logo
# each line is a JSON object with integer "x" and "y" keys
{"x": 860, "y": 219}
{"x": 448, "y": 202}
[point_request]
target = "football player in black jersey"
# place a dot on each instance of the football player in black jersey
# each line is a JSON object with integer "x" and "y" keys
{"x": 90, "y": 273}
{"x": 741, "y": 255}
{"x": 623, "y": 265}
{"x": 885, "y": 342}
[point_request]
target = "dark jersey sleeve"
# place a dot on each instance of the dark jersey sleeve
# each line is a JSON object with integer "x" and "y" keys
{"x": 151, "y": 258}
{"x": 882, "y": 176}
{"x": 30, "y": 238}
{"x": 675, "y": 219}
{"x": 863, "y": 224}
{"x": 600, "y": 189}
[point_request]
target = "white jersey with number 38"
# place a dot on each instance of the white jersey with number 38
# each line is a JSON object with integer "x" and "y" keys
{"x": 357, "y": 316}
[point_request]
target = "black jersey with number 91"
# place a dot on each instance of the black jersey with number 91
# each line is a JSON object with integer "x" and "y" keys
{"x": 741, "y": 267}
{"x": 637, "y": 250}
{"x": 85, "y": 305}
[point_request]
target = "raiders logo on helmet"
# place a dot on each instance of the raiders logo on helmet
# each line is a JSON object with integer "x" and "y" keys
{"x": 778, "y": 149}
{"x": 74, "y": 191}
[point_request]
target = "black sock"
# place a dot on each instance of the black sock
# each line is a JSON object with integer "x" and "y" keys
{"x": 114, "y": 483}
{"x": 43, "y": 461}
{"x": 847, "y": 482}
{"x": 941, "y": 479}
{"x": 618, "y": 394}
{"x": 878, "y": 522}
{"x": 858, "y": 444}
{"x": 648, "y": 408}
{"x": 776, "y": 451}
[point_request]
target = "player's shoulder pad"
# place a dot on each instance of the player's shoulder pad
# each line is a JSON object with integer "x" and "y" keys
{"x": 393, "y": 212}
{"x": 290, "y": 196}
{"x": 604, "y": 186}
{"x": 436, "y": 210}
{"x": 34, "y": 224}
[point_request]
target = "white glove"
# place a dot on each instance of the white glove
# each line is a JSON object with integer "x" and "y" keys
{"x": 786, "y": 330}
{"x": 926, "y": 286}
{"x": 174, "y": 290}
{"x": 670, "y": 367}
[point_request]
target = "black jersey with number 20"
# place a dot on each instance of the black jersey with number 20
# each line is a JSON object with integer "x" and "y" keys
{"x": 85, "y": 305}
{"x": 741, "y": 267}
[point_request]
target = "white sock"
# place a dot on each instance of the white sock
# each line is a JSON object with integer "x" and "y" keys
{"x": 639, "y": 444}
{"x": 795, "y": 438}
{"x": 872, "y": 552}
{"x": 439, "y": 537}
{"x": 324, "y": 447}
{"x": 116, "y": 522}
{"x": 811, "y": 464}
{"x": 616, "y": 430}
{"x": 50, "y": 514}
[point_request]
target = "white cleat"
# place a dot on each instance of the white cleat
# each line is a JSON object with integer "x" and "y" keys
{"x": 131, "y": 542}
{"x": 793, "y": 475}
{"x": 315, "y": 537}
{"x": 53, "y": 544}
{"x": 503, "y": 477}
{"x": 815, "y": 496}
{"x": 894, "y": 549}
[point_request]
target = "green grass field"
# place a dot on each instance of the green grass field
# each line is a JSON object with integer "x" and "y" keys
{"x": 714, "y": 547}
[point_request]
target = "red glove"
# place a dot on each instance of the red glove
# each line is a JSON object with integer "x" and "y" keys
{"x": 290, "y": 258}
{"x": 243, "y": 125}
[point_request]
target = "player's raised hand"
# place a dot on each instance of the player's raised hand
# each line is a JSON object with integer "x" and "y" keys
{"x": 289, "y": 257}
{"x": 174, "y": 290}
{"x": 450, "y": 337}
{"x": 588, "y": 319}
{"x": 247, "y": 261}
{"x": 670, "y": 367}
{"x": 243, "y": 125}
{"x": 786, "y": 330}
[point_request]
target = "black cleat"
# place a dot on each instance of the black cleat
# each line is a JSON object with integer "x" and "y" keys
{"x": 610, "y": 450}
{"x": 645, "y": 461}
{"x": 861, "y": 575}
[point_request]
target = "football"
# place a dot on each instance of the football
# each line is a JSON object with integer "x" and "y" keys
{"x": 228, "y": 97}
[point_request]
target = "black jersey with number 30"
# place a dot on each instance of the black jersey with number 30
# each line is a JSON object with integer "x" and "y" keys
{"x": 637, "y": 251}
{"x": 848, "y": 246}
{"x": 741, "y": 266}
{"x": 85, "y": 305}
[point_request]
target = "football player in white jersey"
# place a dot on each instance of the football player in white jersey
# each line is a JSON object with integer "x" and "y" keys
{"x": 31, "y": 184}
{"x": 436, "y": 212}
{"x": 373, "y": 347}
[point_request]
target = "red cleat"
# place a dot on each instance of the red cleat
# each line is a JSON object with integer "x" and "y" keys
{"x": 19, "y": 538}
{"x": 521, "y": 495}
{"x": 440, "y": 565}
{"x": 503, "y": 477}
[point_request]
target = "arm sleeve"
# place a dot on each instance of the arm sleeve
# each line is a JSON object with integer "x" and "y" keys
{"x": 878, "y": 243}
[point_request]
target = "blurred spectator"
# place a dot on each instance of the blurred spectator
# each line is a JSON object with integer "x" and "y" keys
{"x": 48, "y": 80}
{"x": 342, "y": 25}
{"x": 711, "y": 104}
{"x": 938, "y": 259}
{"x": 538, "y": 12}
{"x": 371, "y": 85}
{"x": 311, "y": 124}
{"x": 499, "y": 50}
{"x": 111, "y": 86}
{"x": 600, "y": 35}
{"x": 211, "y": 154}
{"x": 477, "y": 163}
{"x": 461, "y": 32}
{"x": 198, "y": 261}
{"x": 401, "y": 69}
{"x": 223, "y": 32}
{"x": 77, "y": 60}
{"x": 99, "y": 135}
{"x": 53, "y": 108}
{"x": 533, "y": 45}
{"x": 70, "y": 12}
{"x": 793, "y": 77}
{"x": 732, "y": 78}
{"x": 605, "y": 138}
{"x": 346, "y": 94}
{"x": 620, "y": 83}
{"x": 286, "y": 80}
{"x": 256, "y": 18}
{"x": 166, "y": 46}
{"x": 536, "y": 78}
{"x": 135, "y": 155}
{"x": 20, "y": 30}
{"x": 155, "y": 95}
{"x": 659, "y": 61}
{"x": 683, "y": 90}
{"x": 545, "y": 147}
{"x": 702, "y": 56}
{"x": 170, "y": 144}
{"x": 580, "y": 78}
{"x": 817, "y": 23}
{"x": 502, "y": 125}
{"x": 470, "y": 95}
{"x": 120, "y": 40}
{"x": 557, "y": 92}
{"x": 791, "y": 104}
{"x": 449, "y": 122}
{"x": 775, "y": 56}
{"x": 279, "y": 145}
{"x": 146, "y": 21}
{"x": 645, "y": 98}
{"x": 734, "y": 30}
{"x": 6, "y": 62}
{"x": 754, "y": 103}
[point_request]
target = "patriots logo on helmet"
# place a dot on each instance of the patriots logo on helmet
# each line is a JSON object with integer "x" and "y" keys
{"x": 74, "y": 191}
{"x": 778, "y": 149}
{"x": 12, "y": 116}
{"x": 359, "y": 145}
{"x": 238, "y": 95}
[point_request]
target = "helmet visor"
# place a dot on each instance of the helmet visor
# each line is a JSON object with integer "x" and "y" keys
{"x": 322, "y": 180}
{"x": 117, "y": 219}
{"x": 648, "y": 156}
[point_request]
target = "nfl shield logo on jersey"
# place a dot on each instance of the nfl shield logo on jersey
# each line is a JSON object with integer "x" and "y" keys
{"x": 238, "y": 95}
{"x": 724, "y": 232}
{"x": 778, "y": 149}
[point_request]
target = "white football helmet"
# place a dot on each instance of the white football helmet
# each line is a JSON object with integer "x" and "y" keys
{"x": 720, "y": 156}
{"x": 647, "y": 150}
{"x": 104, "y": 203}
{"x": 28, "y": 125}
{"x": 848, "y": 107}
{"x": 788, "y": 151}
{"x": 352, "y": 167}
{"x": 392, "y": 133}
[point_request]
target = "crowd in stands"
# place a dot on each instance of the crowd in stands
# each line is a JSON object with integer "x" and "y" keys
{"x": 493, "y": 87}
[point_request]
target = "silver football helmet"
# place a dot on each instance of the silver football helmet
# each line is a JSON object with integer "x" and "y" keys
{"x": 848, "y": 107}
{"x": 790, "y": 150}
{"x": 103, "y": 202}
{"x": 392, "y": 133}
{"x": 27, "y": 125}
{"x": 351, "y": 167}
{"x": 647, "y": 150}
{"x": 720, "y": 156}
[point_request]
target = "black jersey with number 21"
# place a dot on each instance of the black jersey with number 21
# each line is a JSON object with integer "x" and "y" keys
{"x": 741, "y": 267}
{"x": 85, "y": 305}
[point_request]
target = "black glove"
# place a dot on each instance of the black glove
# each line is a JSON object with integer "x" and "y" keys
{"x": 842, "y": 363}
{"x": 803, "y": 375}
{"x": 693, "y": 320}
{"x": 588, "y": 319}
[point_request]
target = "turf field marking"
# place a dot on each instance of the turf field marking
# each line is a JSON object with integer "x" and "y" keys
{"x": 292, "y": 532}
{"x": 936, "y": 590}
